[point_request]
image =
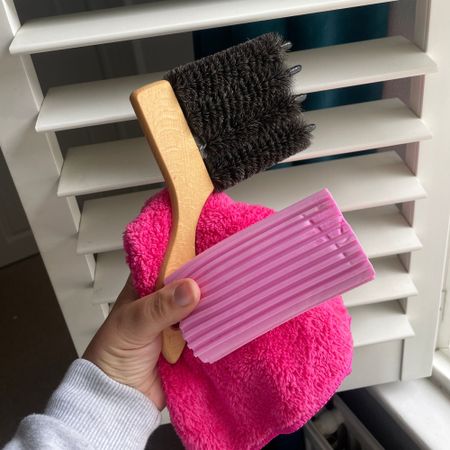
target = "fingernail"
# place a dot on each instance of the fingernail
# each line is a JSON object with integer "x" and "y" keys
{"x": 183, "y": 295}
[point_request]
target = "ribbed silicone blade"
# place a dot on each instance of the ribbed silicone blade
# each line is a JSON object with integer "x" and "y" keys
{"x": 269, "y": 273}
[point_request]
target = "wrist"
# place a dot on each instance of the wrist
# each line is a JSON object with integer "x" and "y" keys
{"x": 108, "y": 414}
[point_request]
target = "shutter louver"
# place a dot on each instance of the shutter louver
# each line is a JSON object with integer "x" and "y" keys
{"x": 156, "y": 19}
{"x": 107, "y": 101}
{"x": 129, "y": 163}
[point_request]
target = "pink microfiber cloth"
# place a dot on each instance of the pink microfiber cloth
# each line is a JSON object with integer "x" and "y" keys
{"x": 272, "y": 385}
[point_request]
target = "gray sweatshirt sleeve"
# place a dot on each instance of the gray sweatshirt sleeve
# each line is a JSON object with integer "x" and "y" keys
{"x": 89, "y": 411}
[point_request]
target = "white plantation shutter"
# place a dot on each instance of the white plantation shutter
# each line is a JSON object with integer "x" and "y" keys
{"x": 394, "y": 212}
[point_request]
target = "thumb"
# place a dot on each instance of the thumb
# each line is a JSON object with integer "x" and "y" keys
{"x": 152, "y": 314}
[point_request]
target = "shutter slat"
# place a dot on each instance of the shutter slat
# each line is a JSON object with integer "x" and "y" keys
{"x": 375, "y": 364}
{"x": 383, "y": 231}
{"x": 376, "y": 180}
{"x": 111, "y": 273}
{"x": 103, "y": 221}
{"x": 156, "y": 19}
{"x": 383, "y": 322}
{"x": 129, "y": 162}
{"x": 392, "y": 281}
{"x": 356, "y": 183}
{"x": 107, "y": 101}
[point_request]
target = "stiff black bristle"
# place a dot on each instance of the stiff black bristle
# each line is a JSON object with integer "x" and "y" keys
{"x": 239, "y": 103}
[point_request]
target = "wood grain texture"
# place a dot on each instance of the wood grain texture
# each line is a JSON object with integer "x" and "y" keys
{"x": 187, "y": 178}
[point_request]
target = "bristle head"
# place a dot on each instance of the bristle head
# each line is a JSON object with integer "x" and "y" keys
{"x": 240, "y": 104}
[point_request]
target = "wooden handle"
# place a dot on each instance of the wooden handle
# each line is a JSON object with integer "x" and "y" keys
{"x": 187, "y": 178}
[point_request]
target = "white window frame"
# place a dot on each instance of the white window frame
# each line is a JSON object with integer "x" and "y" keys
{"x": 443, "y": 341}
{"x": 441, "y": 360}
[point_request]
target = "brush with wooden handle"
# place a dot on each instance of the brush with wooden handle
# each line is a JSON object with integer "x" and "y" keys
{"x": 215, "y": 122}
{"x": 186, "y": 177}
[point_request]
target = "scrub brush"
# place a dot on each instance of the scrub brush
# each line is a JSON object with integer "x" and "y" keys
{"x": 213, "y": 123}
{"x": 269, "y": 273}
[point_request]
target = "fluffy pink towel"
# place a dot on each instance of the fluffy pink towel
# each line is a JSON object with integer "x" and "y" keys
{"x": 271, "y": 386}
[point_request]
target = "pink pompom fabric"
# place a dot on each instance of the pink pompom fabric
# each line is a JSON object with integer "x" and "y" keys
{"x": 274, "y": 384}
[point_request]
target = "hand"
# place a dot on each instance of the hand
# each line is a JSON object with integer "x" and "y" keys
{"x": 127, "y": 346}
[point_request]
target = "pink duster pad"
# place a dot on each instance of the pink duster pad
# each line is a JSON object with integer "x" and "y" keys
{"x": 270, "y": 386}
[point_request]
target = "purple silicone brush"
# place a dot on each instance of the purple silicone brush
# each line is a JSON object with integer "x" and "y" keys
{"x": 269, "y": 273}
